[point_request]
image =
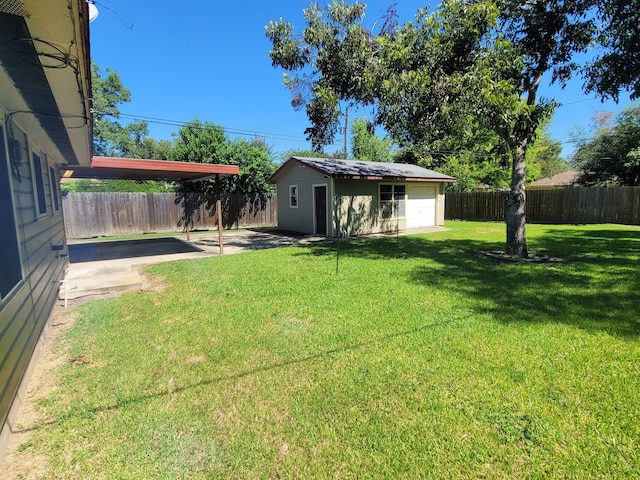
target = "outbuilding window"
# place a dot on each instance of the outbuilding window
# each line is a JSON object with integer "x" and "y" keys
{"x": 293, "y": 196}
{"x": 392, "y": 200}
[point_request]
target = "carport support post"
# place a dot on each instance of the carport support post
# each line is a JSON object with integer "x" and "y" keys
{"x": 219, "y": 210}
{"x": 186, "y": 206}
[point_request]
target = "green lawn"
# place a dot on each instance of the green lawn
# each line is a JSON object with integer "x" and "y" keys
{"x": 419, "y": 359}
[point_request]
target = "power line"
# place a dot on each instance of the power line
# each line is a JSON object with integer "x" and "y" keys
{"x": 577, "y": 101}
{"x": 300, "y": 139}
{"x": 229, "y": 130}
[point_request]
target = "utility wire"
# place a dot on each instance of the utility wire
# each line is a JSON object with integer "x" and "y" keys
{"x": 300, "y": 139}
{"x": 229, "y": 130}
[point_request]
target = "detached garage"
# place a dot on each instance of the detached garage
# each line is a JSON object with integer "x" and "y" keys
{"x": 324, "y": 196}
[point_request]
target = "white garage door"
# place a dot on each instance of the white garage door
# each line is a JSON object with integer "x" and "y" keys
{"x": 421, "y": 206}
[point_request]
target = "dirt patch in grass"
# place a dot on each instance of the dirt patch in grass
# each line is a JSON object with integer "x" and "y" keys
{"x": 533, "y": 258}
{"x": 20, "y": 461}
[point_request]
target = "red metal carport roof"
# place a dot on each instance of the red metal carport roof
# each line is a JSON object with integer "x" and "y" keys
{"x": 138, "y": 169}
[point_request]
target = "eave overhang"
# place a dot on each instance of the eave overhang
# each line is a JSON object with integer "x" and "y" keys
{"x": 111, "y": 168}
{"x": 350, "y": 176}
{"x": 45, "y": 74}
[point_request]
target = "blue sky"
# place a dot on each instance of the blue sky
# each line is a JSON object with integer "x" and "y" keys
{"x": 209, "y": 59}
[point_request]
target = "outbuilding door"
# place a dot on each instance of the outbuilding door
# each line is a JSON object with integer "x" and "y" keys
{"x": 320, "y": 209}
{"x": 421, "y": 206}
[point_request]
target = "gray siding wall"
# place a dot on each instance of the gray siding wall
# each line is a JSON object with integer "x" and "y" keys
{"x": 358, "y": 202}
{"x": 300, "y": 219}
{"x": 360, "y": 211}
{"x": 25, "y": 309}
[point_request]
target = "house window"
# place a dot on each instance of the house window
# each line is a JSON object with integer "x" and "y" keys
{"x": 392, "y": 200}
{"x": 293, "y": 196}
{"x": 38, "y": 185}
{"x": 54, "y": 189}
{"x": 11, "y": 271}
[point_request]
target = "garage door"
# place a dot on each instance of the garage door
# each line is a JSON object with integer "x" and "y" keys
{"x": 421, "y": 206}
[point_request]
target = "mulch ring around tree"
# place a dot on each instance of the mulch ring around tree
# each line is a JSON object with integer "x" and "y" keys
{"x": 533, "y": 258}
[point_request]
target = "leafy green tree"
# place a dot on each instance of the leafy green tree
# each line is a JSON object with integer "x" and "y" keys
{"x": 110, "y": 137}
{"x": 140, "y": 145}
{"x": 335, "y": 56}
{"x": 466, "y": 63}
{"x": 543, "y": 157}
{"x": 616, "y": 66}
{"x": 86, "y": 185}
{"x": 612, "y": 154}
{"x": 366, "y": 145}
{"x": 256, "y": 166}
{"x": 287, "y": 154}
{"x": 199, "y": 142}
{"x": 205, "y": 142}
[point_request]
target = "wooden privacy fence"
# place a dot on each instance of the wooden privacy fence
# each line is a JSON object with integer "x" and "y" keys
{"x": 564, "y": 205}
{"x": 104, "y": 214}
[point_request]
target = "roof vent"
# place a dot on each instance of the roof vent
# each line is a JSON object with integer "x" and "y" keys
{"x": 13, "y": 7}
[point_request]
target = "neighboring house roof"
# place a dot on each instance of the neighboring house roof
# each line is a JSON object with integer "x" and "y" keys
{"x": 358, "y": 170}
{"x": 563, "y": 179}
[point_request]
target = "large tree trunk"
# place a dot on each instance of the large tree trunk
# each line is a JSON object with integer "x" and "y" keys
{"x": 515, "y": 206}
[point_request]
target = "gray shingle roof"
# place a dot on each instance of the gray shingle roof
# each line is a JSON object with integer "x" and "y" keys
{"x": 337, "y": 168}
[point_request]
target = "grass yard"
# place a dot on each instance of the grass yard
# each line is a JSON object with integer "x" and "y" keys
{"x": 419, "y": 359}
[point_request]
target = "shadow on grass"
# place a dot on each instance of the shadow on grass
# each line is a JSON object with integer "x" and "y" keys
{"x": 595, "y": 289}
{"x": 88, "y": 411}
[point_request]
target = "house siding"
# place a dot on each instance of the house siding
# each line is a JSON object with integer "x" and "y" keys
{"x": 300, "y": 219}
{"x": 358, "y": 201}
{"x": 25, "y": 309}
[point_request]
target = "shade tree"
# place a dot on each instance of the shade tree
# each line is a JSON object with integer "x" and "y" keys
{"x": 465, "y": 63}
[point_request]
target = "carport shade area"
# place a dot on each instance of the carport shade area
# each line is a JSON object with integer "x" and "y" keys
{"x": 106, "y": 250}
{"x": 111, "y": 168}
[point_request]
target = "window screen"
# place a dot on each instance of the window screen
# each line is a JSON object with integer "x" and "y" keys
{"x": 392, "y": 200}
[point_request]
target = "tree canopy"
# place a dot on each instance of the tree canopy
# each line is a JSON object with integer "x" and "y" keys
{"x": 206, "y": 142}
{"x": 197, "y": 141}
{"x": 366, "y": 145}
{"x": 468, "y": 67}
{"x": 110, "y": 137}
{"x": 543, "y": 156}
{"x": 616, "y": 67}
{"x": 611, "y": 155}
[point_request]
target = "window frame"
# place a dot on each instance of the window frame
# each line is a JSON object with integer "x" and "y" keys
{"x": 54, "y": 184}
{"x": 294, "y": 195}
{"x": 10, "y": 242}
{"x": 38, "y": 181}
{"x": 398, "y": 206}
